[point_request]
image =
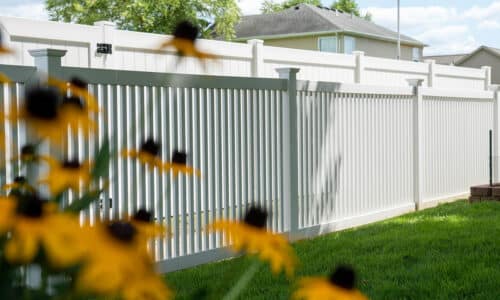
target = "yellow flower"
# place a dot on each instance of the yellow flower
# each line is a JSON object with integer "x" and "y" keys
{"x": 340, "y": 286}
{"x": 150, "y": 287}
{"x": 20, "y": 185}
{"x": 4, "y": 78}
{"x": 117, "y": 259}
{"x": 77, "y": 87}
{"x": 3, "y": 49}
{"x": 143, "y": 221}
{"x": 49, "y": 114}
{"x": 33, "y": 223}
{"x": 67, "y": 174}
{"x": 252, "y": 237}
{"x": 148, "y": 154}
{"x": 28, "y": 154}
{"x": 178, "y": 165}
{"x": 185, "y": 35}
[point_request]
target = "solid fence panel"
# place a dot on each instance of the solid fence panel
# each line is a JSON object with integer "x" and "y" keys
{"x": 455, "y": 145}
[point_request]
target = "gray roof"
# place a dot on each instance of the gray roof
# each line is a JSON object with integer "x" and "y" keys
{"x": 457, "y": 59}
{"x": 306, "y": 18}
{"x": 445, "y": 59}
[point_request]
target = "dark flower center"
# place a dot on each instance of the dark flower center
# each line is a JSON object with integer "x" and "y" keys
{"x": 42, "y": 103}
{"x": 20, "y": 179}
{"x": 30, "y": 206}
{"x": 71, "y": 164}
{"x": 28, "y": 149}
{"x": 79, "y": 83}
{"x": 256, "y": 216}
{"x": 186, "y": 30}
{"x": 143, "y": 216}
{"x": 151, "y": 147}
{"x": 122, "y": 231}
{"x": 179, "y": 157}
{"x": 73, "y": 101}
{"x": 343, "y": 277}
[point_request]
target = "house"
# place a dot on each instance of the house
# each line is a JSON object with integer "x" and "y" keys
{"x": 482, "y": 56}
{"x": 312, "y": 27}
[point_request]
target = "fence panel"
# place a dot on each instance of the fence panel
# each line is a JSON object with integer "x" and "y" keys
{"x": 355, "y": 154}
{"x": 455, "y": 144}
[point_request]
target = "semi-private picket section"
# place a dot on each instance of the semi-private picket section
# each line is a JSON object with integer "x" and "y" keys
{"x": 319, "y": 156}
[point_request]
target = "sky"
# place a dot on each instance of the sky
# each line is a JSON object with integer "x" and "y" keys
{"x": 447, "y": 26}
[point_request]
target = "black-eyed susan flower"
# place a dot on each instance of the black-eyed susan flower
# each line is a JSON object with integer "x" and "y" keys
{"x": 76, "y": 88}
{"x": 19, "y": 186}
{"x": 3, "y": 48}
{"x": 184, "y": 41}
{"x": 34, "y": 224}
{"x": 143, "y": 221}
{"x": 4, "y": 78}
{"x": 75, "y": 115}
{"x": 150, "y": 287}
{"x": 339, "y": 286}
{"x": 41, "y": 113}
{"x": 178, "y": 164}
{"x": 118, "y": 259}
{"x": 148, "y": 154}
{"x": 251, "y": 236}
{"x": 68, "y": 174}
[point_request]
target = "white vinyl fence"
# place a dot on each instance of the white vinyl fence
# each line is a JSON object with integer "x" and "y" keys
{"x": 136, "y": 51}
{"x": 320, "y": 156}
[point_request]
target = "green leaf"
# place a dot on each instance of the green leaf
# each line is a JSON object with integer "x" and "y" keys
{"x": 84, "y": 202}
{"x": 101, "y": 164}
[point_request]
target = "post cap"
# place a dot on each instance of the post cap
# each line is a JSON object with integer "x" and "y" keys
{"x": 415, "y": 82}
{"x": 105, "y": 23}
{"x": 360, "y": 53}
{"x": 47, "y": 52}
{"x": 255, "y": 41}
{"x": 430, "y": 61}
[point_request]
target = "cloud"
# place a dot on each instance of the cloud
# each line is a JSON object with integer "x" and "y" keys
{"x": 449, "y": 39}
{"x": 445, "y": 29}
{"x": 28, "y": 9}
{"x": 489, "y": 24}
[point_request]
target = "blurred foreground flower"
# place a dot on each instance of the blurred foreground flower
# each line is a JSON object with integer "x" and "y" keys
{"x": 119, "y": 263}
{"x": 340, "y": 286}
{"x": 184, "y": 41}
{"x": 148, "y": 154}
{"x": 34, "y": 224}
{"x": 67, "y": 174}
{"x": 178, "y": 164}
{"x": 251, "y": 236}
{"x": 3, "y": 49}
{"x": 48, "y": 113}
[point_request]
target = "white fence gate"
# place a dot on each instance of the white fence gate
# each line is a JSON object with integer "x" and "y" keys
{"x": 320, "y": 156}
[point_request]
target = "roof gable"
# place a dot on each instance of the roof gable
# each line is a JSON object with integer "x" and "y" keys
{"x": 305, "y": 18}
{"x": 491, "y": 50}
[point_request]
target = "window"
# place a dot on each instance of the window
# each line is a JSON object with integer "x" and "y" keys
{"x": 415, "y": 54}
{"x": 349, "y": 44}
{"x": 328, "y": 44}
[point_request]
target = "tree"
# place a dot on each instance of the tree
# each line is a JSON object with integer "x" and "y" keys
{"x": 156, "y": 16}
{"x": 269, "y": 6}
{"x": 350, "y": 6}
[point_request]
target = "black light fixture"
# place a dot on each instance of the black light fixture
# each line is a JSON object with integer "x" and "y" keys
{"x": 104, "y": 48}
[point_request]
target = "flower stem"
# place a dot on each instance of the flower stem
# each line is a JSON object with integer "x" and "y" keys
{"x": 243, "y": 281}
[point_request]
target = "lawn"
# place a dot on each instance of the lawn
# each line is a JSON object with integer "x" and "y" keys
{"x": 448, "y": 252}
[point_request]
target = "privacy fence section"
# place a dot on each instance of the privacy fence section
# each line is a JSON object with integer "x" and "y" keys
{"x": 136, "y": 51}
{"x": 319, "y": 156}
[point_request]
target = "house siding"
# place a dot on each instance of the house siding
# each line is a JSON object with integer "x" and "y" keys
{"x": 371, "y": 47}
{"x": 483, "y": 58}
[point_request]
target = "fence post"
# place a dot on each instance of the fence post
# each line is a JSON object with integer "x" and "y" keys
{"x": 257, "y": 57}
{"x": 360, "y": 66}
{"x": 417, "y": 141}
{"x": 432, "y": 72}
{"x": 487, "y": 77}
{"x": 496, "y": 134}
{"x": 48, "y": 61}
{"x": 290, "y": 152}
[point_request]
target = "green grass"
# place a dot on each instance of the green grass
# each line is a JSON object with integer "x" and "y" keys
{"x": 448, "y": 252}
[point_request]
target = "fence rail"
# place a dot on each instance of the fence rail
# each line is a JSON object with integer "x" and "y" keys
{"x": 236, "y": 59}
{"x": 320, "y": 156}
